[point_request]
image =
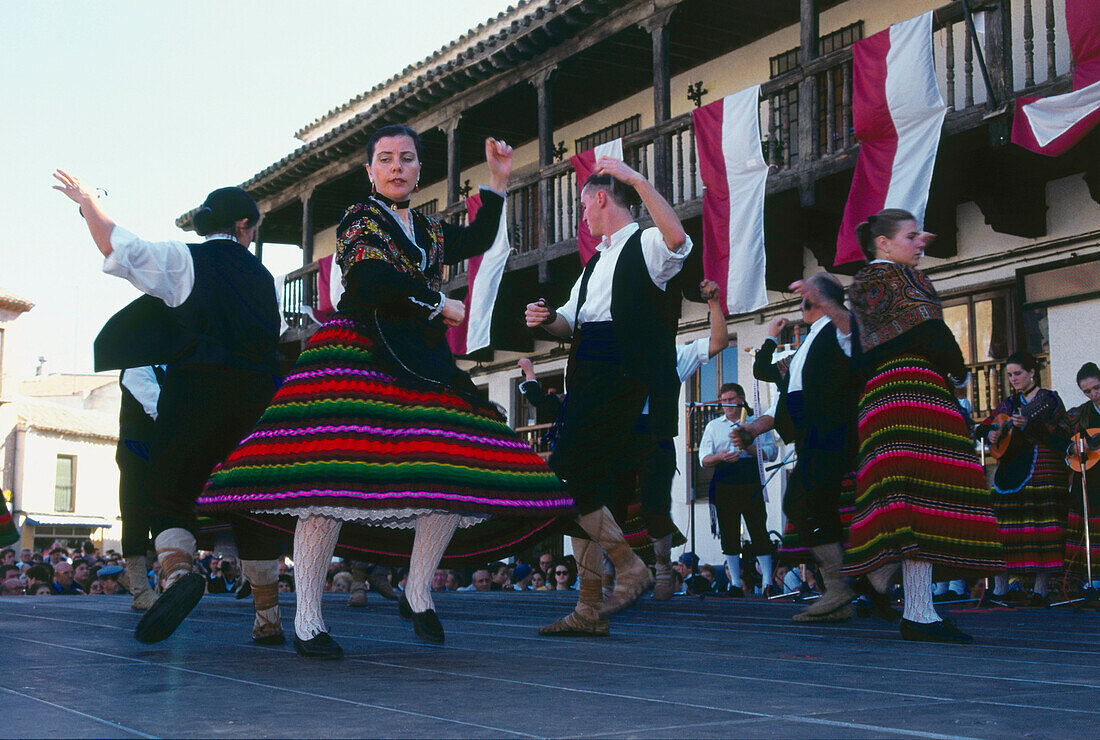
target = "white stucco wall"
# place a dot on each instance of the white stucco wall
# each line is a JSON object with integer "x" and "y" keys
{"x": 1072, "y": 344}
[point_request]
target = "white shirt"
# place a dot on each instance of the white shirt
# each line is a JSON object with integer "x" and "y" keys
{"x": 662, "y": 263}
{"x": 164, "y": 270}
{"x": 691, "y": 356}
{"x": 716, "y": 439}
{"x": 143, "y": 386}
{"x": 798, "y": 362}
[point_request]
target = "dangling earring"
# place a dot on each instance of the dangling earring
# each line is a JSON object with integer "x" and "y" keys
{"x": 416, "y": 187}
{"x": 372, "y": 188}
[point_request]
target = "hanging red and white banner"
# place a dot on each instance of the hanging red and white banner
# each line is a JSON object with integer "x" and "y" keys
{"x": 484, "y": 273}
{"x": 583, "y": 164}
{"x": 731, "y": 163}
{"x": 1051, "y": 126}
{"x": 330, "y": 286}
{"x": 897, "y": 113}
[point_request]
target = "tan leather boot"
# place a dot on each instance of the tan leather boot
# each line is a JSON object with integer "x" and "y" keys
{"x": 663, "y": 587}
{"x": 584, "y": 620}
{"x": 267, "y": 628}
{"x": 837, "y": 591}
{"x": 632, "y": 577}
{"x": 142, "y": 594}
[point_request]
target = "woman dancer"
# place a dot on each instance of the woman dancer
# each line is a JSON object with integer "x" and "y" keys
{"x": 921, "y": 496}
{"x": 1029, "y": 487}
{"x": 1084, "y": 420}
{"x": 376, "y": 425}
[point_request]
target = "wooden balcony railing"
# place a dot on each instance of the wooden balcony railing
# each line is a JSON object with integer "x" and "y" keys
{"x": 543, "y": 207}
{"x": 299, "y": 292}
{"x": 532, "y": 435}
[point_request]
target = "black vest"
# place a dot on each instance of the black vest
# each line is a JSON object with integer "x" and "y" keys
{"x": 230, "y": 319}
{"x": 644, "y": 318}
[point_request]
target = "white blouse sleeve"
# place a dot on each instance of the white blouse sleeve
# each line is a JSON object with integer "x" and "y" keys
{"x": 163, "y": 270}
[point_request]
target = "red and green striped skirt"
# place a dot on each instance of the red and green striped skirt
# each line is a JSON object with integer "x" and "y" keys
{"x": 347, "y": 437}
{"x": 920, "y": 490}
{"x": 1075, "y": 529}
{"x": 1031, "y": 515}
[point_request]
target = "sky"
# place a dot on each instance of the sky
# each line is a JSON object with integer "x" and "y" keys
{"x": 158, "y": 104}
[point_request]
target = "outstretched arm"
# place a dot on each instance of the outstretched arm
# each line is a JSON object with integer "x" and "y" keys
{"x": 99, "y": 224}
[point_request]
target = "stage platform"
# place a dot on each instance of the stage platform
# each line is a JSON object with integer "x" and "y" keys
{"x": 685, "y": 668}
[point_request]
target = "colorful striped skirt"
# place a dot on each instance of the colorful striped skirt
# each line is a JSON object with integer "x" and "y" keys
{"x": 347, "y": 437}
{"x": 1075, "y": 529}
{"x": 920, "y": 491}
{"x": 1031, "y": 513}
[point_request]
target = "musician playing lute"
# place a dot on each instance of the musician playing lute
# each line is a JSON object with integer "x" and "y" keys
{"x": 1029, "y": 486}
{"x": 1083, "y": 424}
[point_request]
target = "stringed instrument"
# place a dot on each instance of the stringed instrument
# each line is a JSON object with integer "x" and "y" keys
{"x": 1010, "y": 435}
{"x": 1090, "y": 439}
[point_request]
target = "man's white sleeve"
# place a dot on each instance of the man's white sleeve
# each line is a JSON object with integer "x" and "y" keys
{"x": 569, "y": 310}
{"x": 163, "y": 270}
{"x": 663, "y": 264}
{"x": 691, "y": 356}
{"x": 143, "y": 386}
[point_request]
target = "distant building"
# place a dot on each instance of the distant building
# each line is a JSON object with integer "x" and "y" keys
{"x": 1018, "y": 255}
{"x": 57, "y": 448}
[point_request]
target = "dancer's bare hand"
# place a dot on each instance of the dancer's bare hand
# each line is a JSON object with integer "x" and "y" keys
{"x": 618, "y": 169}
{"x": 709, "y": 290}
{"x": 454, "y": 312}
{"x": 498, "y": 156}
{"x": 527, "y": 367}
{"x": 73, "y": 188}
{"x": 538, "y": 313}
{"x": 776, "y": 328}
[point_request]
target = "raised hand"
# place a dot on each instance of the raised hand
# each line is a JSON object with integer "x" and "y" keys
{"x": 776, "y": 328}
{"x": 618, "y": 169}
{"x": 498, "y": 156}
{"x": 709, "y": 290}
{"x": 72, "y": 187}
{"x": 537, "y": 313}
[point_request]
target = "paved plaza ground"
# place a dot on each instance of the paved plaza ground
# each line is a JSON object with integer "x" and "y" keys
{"x": 686, "y": 668}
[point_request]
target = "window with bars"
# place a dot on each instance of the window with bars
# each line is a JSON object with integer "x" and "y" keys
{"x": 64, "y": 487}
{"x": 610, "y": 133}
{"x": 830, "y": 42}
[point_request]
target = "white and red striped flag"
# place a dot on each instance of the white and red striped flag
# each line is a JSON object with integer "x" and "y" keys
{"x": 483, "y": 276}
{"x": 330, "y": 286}
{"x": 1051, "y": 126}
{"x": 897, "y": 113}
{"x": 583, "y": 164}
{"x": 731, "y": 163}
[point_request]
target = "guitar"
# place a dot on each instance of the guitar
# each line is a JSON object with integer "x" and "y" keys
{"x": 1088, "y": 444}
{"x": 1009, "y": 434}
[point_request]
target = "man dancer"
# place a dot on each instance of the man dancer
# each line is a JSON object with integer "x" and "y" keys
{"x": 816, "y": 410}
{"x": 210, "y": 312}
{"x": 623, "y": 324}
{"x": 136, "y": 425}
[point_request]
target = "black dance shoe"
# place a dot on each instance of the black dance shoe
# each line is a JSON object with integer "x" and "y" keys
{"x": 427, "y": 627}
{"x": 168, "y": 612}
{"x": 320, "y": 646}
{"x": 1039, "y": 600}
{"x": 943, "y": 631}
{"x": 880, "y": 603}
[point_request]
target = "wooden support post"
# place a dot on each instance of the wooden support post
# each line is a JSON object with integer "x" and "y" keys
{"x": 453, "y": 168}
{"x": 260, "y": 240}
{"x": 807, "y": 98}
{"x": 307, "y": 243}
{"x": 541, "y": 81}
{"x": 658, "y": 27}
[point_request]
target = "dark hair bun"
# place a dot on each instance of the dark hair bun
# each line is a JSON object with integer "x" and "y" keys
{"x": 203, "y": 219}
{"x": 223, "y": 208}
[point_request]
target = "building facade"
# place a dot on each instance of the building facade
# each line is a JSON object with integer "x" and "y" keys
{"x": 1019, "y": 235}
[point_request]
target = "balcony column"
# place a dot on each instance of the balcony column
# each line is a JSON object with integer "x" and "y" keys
{"x": 307, "y": 243}
{"x": 453, "y": 169}
{"x": 807, "y": 98}
{"x": 541, "y": 80}
{"x": 658, "y": 28}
